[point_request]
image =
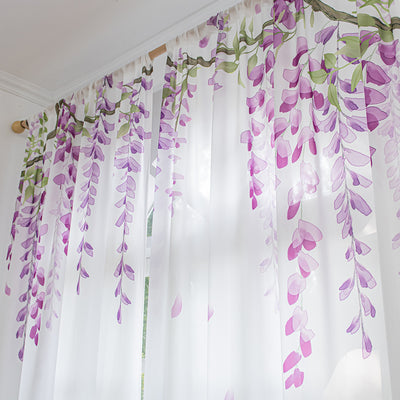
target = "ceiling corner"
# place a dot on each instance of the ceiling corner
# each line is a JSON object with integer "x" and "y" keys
{"x": 27, "y": 90}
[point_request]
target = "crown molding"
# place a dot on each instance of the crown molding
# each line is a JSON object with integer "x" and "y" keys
{"x": 44, "y": 97}
{"x": 25, "y": 89}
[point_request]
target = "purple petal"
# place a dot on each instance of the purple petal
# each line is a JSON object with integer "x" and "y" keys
{"x": 365, "y": 277}
{"x": 291, "y": 360}
{"x": 177, "y": 306}
{"x": 210, "y": 312}
{"x": 324, "y": 35}
{"x": 357, "y": 202}
{"x": 366, "y": 346}
{"x": 129, "y": 272}
{"x": 354, "y": 326}
{"x": 305, "y": 346}
{"x": 296, "y": 284}
{"x": 388, "y": 52}
{"x": 375, "y": 74}
{"x": 355, "y": 158}
{"x": 125, "y": 299}
{"x": 307, "y": 264}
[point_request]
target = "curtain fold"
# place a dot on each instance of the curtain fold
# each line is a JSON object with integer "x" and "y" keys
{"x": 267, "y": 276}
{"x": 77, "y": 260}
{"x": 275, "y": 226}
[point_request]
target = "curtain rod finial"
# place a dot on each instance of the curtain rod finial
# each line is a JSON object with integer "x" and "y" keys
{"x": 19, "y": 126}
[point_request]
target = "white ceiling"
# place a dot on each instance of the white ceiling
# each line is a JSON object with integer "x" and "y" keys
{"x": 50, "y": 48}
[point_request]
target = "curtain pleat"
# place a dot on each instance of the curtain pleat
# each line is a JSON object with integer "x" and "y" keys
{"x": 280, "y": 293}
{"x": 77, "y": 261}
{"x": 275, "y": 225}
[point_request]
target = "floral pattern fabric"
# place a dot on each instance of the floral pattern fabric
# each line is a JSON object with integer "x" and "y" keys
{"x": 276, "y": 219}
{"x": 80, "y": 217}
{"x": 299, "y": 99}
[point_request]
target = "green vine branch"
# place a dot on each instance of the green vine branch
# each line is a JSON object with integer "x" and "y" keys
{"x": 332, "y": 14}
{"x": 341, "y": 16}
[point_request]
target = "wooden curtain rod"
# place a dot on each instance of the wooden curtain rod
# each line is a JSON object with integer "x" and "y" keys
{"x": 20, "y": 126}
{"x": 157, "y": 52}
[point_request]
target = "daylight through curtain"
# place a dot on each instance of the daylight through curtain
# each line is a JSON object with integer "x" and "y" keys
{"x": 274, "y": 267}
{"x": 275, "y": 226}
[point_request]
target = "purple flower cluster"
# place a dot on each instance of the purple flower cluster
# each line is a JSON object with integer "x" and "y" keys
{"x": 175, "y": 109}
{"x": 259, "y": 141}
{"x": 128, "y": 157}
{"x": 29, "y": 220}
{"x": 386, "y": 89}
{"x": 306, "y": 235}
{"x": 261, "y": 112}
{"x": 91, "y": 171}
{"x": 343, "y": 172}
{"x": 64, "y": 165}
{"x": 304, "y": 239}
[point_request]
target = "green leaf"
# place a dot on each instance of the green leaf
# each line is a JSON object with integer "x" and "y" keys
{"x": 251, "y": 27}
{"x": 79, "y": 126}
{"x": 166, "y": 92}
{"x": 251, "y": 63}
{"x": 45, "y": 117}
{"x": 350, "y": 39}
{"x": 125, "y": 95}
{"x": 240, "y": 82}
{"x": 318, "y": 76}
{"x": 365, "y": 20}
{"x": 45, "y": 181}
{"x": 172, "y": 82}
{"x": 123, "y": 130}
{"x": 235, "y": 45}
{"x": 184, "y": 85}
{"x": 280, "y": 16}
{"x": 352, "y": 48}
{"x": 356, "y": 77}
{"x": 86, "y": 108}
{"x": 332, "y": 96}
{"x": 386, "y": 36}
{"x": 85, "y": 132}
{"x": 330, "y": 60}
{"x": 312, "y": 19}
{"x": 193, "y": 72}
{"x": 298, "y": 16}
{"x": 285, "y": 36}
{"x": 228, "y": 66}
{"x": 30, "y": 171}
{"x": 38, "y": 176}
{"x": 134, "y": 108}
{"x": 243, "y": 26}
{"x": 364, "y": 47}
{"x": 29, "y": 192}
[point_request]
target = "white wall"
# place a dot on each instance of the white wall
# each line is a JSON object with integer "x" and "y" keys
{"x": 12, "y": 147}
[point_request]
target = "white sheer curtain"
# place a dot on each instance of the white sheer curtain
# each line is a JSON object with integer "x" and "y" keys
{"x": 75, "y": 283}
{"x": 276, "y": 230}
{"x": 267, "y": 273}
